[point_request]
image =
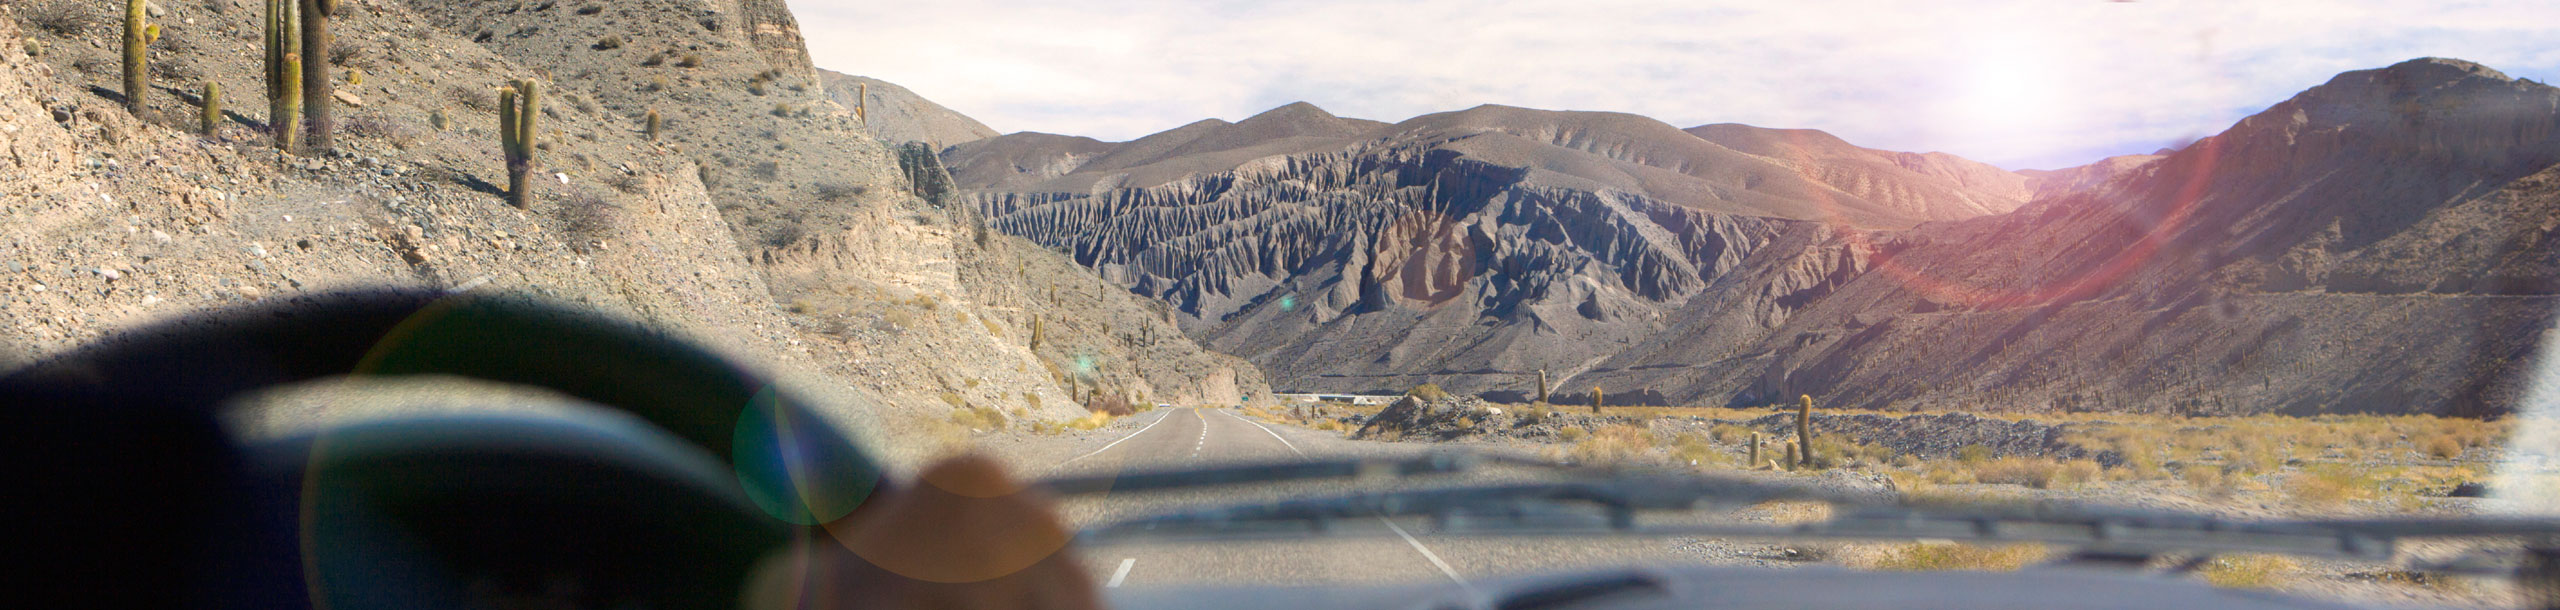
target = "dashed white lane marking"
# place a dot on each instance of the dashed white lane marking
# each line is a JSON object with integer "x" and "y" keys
{"x": 1122, "y": 574}
{"x": 1391, "y": 524}
{"x": 1152, "y": 424}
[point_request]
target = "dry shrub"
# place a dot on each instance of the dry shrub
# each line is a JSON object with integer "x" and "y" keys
{"x": 476, "y": 98}
{"x": 1091, "y": 421}
{"x": 1114, "y": 405}
{"x": 978, "y": 418}
{"x": 61, "y": 17}
{"x": 589, "y": 220}
{"x": 2331, "y": 484}
{"x": 1428, "y": 392}
{"x": 2441, "y": 446}
{"x": 956, "y": 401}
{"x": 1571, "y": 433}
{"x": 1612, "y": 444}
{"x": 1944, "y": 556}
{"x": 2249, "y": 571}
{"x": 2030, "y": 472}
{"x": 374, "y": 126}
{"x": 2212, "y": 482}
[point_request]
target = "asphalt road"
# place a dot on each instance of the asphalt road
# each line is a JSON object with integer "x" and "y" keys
{"x": 1177, "y": 438}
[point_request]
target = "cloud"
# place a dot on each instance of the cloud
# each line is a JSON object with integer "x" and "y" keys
{"x": 2042, "y": 83}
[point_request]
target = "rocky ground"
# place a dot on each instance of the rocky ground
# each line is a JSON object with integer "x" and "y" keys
{"x": 763, "y": 220}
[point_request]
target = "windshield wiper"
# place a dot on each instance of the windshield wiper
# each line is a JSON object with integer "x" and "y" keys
{"x": 1612, "y": 507}
{"x": 1261, "y": 473}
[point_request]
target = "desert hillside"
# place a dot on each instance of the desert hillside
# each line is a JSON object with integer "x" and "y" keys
{"x": 761, "y": 218}
{"x": 2363, "y": 237}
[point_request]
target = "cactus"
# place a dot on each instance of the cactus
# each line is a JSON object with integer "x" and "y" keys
{"x": 518, "y": 131}
{"x": 1754, "y": 460}
{"x": 862, "y": 104}
{"x": 650, "y": 124}
{"x": 212, "y": 116}
{"x": 137, "y": 37}
{"x": 1542, "y": 386}
{"x": 319, "y": 105}
{"x": 1804, "y": 430}
{"x": 1595, "y": 400}
{"x": 284, "y": 73}
{"x": 1039, "y": 333}
{"x": 1795, "y": 456}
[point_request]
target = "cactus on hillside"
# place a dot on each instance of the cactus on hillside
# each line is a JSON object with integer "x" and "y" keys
{"x": 284, "y": 73}
{"x": 1754, "y": 460}
{"x": 1542, "y": 386}
{"x": 1039, "y": 333}
{"x": 318, "y": 89}
{"x": 211, "y": 118}
{"x": 1804, "y": 430}
{"x": 650, "y": 124}
{"x": 862, "y": 104}
{"x": 137, "y": 38}
{"x": 518, "y": 108}
{"x": 1595, "y": 400}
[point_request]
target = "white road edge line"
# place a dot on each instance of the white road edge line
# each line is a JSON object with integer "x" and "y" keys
{"x": 1159, "y": 419}
{"x": 1391, "y": 524}
{"x": 1293, "y": 447}
{"x": 1122, "y": 574}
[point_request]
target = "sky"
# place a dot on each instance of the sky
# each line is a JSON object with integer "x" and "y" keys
{"x": 2026, "y": 84}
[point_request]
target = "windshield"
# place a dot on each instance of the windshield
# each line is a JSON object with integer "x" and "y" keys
{"x": 1504, "y": 281}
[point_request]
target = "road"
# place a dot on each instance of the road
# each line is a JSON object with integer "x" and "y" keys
{"x": 1175, "y": 438}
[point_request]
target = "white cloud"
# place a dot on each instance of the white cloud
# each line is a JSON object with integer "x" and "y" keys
{"x": 2030, "y": 83}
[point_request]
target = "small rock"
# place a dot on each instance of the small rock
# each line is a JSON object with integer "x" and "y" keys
{"x": 349, "y": 98}
{"x": 110, "y": 274}
{"x": 2469, "y": 489}
{"x": 36, "y": 287}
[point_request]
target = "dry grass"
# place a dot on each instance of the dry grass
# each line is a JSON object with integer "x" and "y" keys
{"x": 1944, "y": 556}
{"x": 1611, "y": 445}
{"x": 2249, "y": 571}
{"x": 2327, "y": 485}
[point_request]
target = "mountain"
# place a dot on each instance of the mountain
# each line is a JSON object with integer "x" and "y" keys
{"x": 1342, "y": 254}
{"x": 2374, "y": 244}
{"x": 763, "y": 220}
{"x": 898, "y": 115}
{"x": 2378, "y": 243}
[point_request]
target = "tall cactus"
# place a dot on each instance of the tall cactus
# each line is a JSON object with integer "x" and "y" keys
{"x": 1595, "y": 400}
{"x": 211, "y": 119}
{"x": 284, "y": 73}
{"x": 318, "y": 87}
{"x": 137, "y": 38}
{"x": 518, "y": 108}
{"x": 1754, "y": 460}
{"x": 1804, "y": 430}
{"x": 1542, "y": 386}
{"x": 651, "y": 123}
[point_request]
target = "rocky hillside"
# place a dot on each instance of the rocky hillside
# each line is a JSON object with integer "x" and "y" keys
{"x": 2374, "y": 244}
{"x": 2371, "y": 245}
{"x": 898, "y": 115}
{"x": 763, "y": 219}
{"x": 1350, "y": 255}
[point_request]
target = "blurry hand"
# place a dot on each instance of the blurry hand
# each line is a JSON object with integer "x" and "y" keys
{"x": 966, "y": 535}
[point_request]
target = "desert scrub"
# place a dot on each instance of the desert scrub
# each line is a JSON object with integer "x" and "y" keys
{"x": 978, "y": 418}
{"x": 1571, "y": 433}
{"x": 2249, "y": 571}
{"x": 1612, "y": 444}
{"x": 1429, "y": 392}
{"x": 1698, "y": 451}
{"x": 2326, "y": 485}
{"x": 2036, "y": 472}
{"x": 1923, "y": 557}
